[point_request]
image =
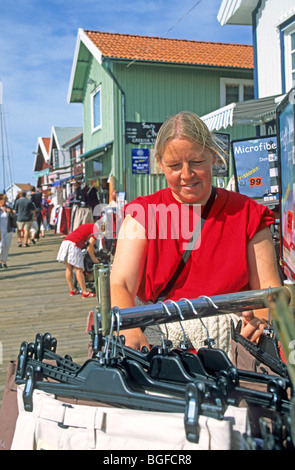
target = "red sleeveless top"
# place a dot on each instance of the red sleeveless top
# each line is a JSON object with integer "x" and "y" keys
{"x": 218, "y": 264}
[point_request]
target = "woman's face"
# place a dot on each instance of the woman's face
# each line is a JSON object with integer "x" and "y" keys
{"x": 188, "y": 170}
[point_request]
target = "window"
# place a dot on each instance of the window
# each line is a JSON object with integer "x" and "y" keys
{"x": 234, "y": 90}
{"x": 248, "y": 92}
{"x": 289, "y": 53}
{"x": 231, "y": 94}
{"x": 96, "y": 109}
{"x": 77, "y": 151}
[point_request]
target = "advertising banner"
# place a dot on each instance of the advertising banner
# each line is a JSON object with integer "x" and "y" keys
{"x": 286, "y": 136}
{"x": 256, "y": 167}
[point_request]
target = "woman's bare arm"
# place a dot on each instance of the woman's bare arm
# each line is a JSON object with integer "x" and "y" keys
{"x": 263, "y": 274}
{"x": 126, "y": 274}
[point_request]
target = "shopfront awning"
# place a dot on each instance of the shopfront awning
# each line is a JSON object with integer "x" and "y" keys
{"x": 252, "y": 112}
{"x": 96, "y": 152}
{"x": 63, "y": 180}
{"x": 41, "y": 173}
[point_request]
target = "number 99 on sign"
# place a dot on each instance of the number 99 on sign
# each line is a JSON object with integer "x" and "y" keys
{"x": 255, "y": 182}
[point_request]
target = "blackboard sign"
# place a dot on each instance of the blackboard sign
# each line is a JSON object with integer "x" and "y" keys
{"x": 142, "y": 133}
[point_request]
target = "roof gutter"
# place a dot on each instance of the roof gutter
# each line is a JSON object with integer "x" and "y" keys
{"x": 179, "y": 64}
{"x": 123, "y": 104}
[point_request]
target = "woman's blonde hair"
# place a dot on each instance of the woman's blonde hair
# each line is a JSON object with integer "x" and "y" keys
{"x": 189, "y": 125}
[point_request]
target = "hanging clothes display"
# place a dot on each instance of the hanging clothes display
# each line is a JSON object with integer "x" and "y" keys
{"x": 92, "y": 198}
{"x": 159, "y": 398}
{"x": 83, "y": 215}
{"x": 56, "y": 425}
{"x": 63, "y": 221}
{"x": 67, "y": 218}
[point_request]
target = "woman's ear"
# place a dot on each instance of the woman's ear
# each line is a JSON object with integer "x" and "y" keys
{"x": 159, "y": 163}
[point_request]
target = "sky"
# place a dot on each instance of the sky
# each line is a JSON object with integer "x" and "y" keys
{"x": 37, "y": 45}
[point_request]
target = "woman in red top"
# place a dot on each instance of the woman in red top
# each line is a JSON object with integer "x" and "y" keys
{"x": 70, "y": 253}
{"x": 234, "y": 252}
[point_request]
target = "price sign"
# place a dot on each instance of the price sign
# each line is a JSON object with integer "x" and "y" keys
{"x": 255, "y": 182}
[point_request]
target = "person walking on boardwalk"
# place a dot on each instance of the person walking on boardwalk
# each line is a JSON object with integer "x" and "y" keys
{"x": 5, "y": 230}
{"x": 26, "y": 213}
{"x": 36, "y": 198}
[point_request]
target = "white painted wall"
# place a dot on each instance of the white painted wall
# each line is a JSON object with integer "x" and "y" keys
{"x": 271, "y": 14}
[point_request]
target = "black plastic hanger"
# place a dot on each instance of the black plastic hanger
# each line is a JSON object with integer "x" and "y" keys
{"x": 214, "y": 360}
{"x": 192, "y": 363}
{"x": 138, "y": 376}
{"x": 266, "y": 350}
{"x": 170, "y": 367}
{"x": 94, "y": 381}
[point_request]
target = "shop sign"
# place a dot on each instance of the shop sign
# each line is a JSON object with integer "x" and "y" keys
{"x": 142, "y": 133}
{"x": 140, "y": 161}
{"x": 41, "y": 173}
{"x": 256, "y": 167}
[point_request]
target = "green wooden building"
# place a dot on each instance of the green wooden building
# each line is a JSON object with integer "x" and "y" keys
{"x": 128, "y": 85}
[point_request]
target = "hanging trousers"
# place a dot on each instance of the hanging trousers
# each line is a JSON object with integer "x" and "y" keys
{"x": 55, "y": 425}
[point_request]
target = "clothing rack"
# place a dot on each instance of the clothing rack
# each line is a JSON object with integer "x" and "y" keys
{"x": 176, "y": 382}
{"x": 184, "y": 309}
{"x": 163, "y": 378}
{"x": 107, "y": 319}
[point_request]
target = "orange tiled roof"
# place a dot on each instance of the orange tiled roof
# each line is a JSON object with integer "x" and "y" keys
{"x": 25, "y": 187}
{"x": 155, "y": 49}
{"x": 46, "y": 141}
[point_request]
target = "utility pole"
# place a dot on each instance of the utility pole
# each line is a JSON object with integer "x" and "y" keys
{"x": 4, "y": 142}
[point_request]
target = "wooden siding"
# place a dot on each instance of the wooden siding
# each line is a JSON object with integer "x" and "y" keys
{"x": 149, "y": 93}
{"x": 155, "y": 92}
{"x": 106, "y": 133}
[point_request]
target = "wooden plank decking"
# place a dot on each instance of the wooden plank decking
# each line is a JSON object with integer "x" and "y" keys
{"x": 34, "y": 298}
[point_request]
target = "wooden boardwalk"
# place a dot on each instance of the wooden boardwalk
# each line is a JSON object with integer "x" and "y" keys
{"x": 34, "y": 298}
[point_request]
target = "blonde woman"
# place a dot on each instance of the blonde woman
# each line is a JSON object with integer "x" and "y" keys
{"x": 234, "y": 251}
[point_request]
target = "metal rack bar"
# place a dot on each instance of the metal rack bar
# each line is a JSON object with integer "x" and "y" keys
{"x": 156, "y": 314}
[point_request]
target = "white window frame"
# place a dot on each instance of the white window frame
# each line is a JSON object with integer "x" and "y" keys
{"x": 233, "y": 81}
{"x": 93, "y": 95}
{"x": 288, "y": 56}
{"x": 77, "y": 150}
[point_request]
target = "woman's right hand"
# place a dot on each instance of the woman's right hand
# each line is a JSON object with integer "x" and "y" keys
{"x": 135, "y": 339}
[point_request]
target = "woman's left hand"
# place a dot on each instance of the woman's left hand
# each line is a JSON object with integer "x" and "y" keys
{"x": 252, "y": 326}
